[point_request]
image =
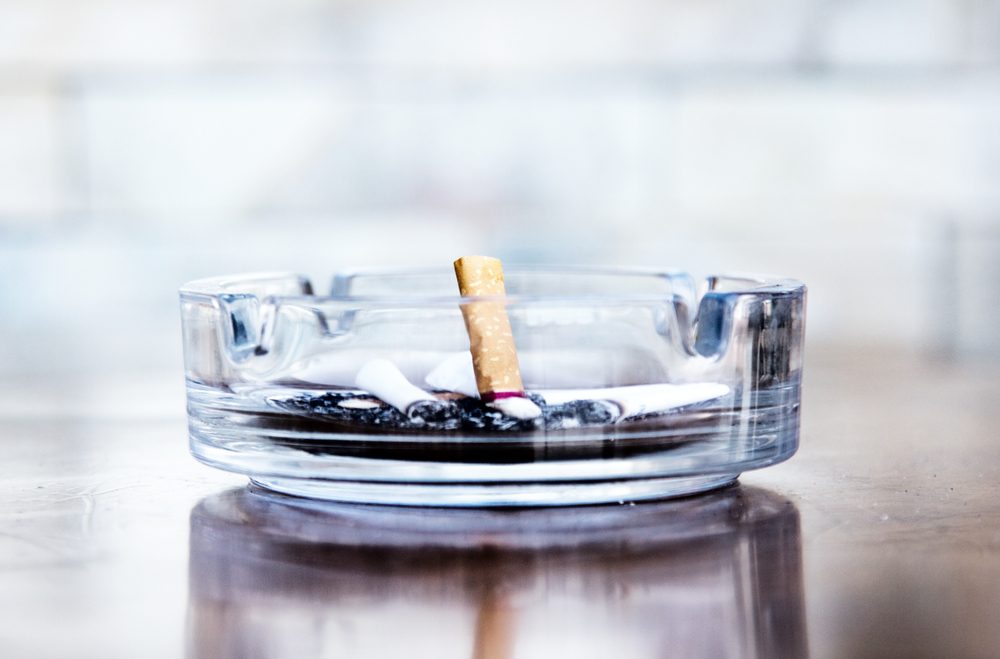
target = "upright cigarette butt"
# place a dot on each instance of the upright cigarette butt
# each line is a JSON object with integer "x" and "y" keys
{"x": 491, "y": 341}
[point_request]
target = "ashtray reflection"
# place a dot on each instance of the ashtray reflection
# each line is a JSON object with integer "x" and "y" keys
{"x": 718, "y": 575}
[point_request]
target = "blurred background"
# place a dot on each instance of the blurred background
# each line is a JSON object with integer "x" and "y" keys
{"x": 143, "y": 143}
{"x": 854, "y": 145}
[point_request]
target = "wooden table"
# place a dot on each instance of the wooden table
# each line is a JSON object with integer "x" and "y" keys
{"x": 881, "y": 538}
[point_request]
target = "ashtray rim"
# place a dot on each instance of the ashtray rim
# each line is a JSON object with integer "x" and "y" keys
{"x": 238, "y": 285}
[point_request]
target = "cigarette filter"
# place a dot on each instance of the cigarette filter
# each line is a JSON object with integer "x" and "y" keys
{"x": 491, "y": 341}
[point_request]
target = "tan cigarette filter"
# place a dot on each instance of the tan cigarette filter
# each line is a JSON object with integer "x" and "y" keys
{"x": 494, "y": 355}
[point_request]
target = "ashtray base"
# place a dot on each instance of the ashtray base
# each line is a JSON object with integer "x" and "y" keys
{"x": 500, "y": 495}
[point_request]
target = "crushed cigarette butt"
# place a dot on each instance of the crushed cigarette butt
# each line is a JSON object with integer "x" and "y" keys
{"x": 383, "y": 379}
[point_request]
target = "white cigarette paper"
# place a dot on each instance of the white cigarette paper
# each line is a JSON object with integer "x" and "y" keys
{"x": 455, "y": 373}
{"x": 384, "y": 380}
{"x": 517, "y": 407}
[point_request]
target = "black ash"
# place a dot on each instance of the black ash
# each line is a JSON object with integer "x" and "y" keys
{"x": 352, "y": 408}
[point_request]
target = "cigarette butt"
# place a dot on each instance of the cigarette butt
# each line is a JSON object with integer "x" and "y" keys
{"x": 383, "y": 379}
{"x": 491, "y": 341}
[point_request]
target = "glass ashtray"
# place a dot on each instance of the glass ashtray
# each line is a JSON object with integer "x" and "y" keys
{"x": 649, "y": 385}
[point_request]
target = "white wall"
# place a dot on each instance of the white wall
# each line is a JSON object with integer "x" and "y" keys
{"x": 854, "y": 145}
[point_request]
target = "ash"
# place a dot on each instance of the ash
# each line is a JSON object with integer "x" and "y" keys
{"x": 462, "y": 414}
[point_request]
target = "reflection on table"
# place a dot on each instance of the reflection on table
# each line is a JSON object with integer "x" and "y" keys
{"x": 718, "y": 575}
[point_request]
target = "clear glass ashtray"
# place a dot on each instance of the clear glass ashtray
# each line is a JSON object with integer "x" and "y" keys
{"x": 649, "y": 385}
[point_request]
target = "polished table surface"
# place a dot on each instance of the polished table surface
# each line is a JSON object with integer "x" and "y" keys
{"x": 880, "y": 538}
